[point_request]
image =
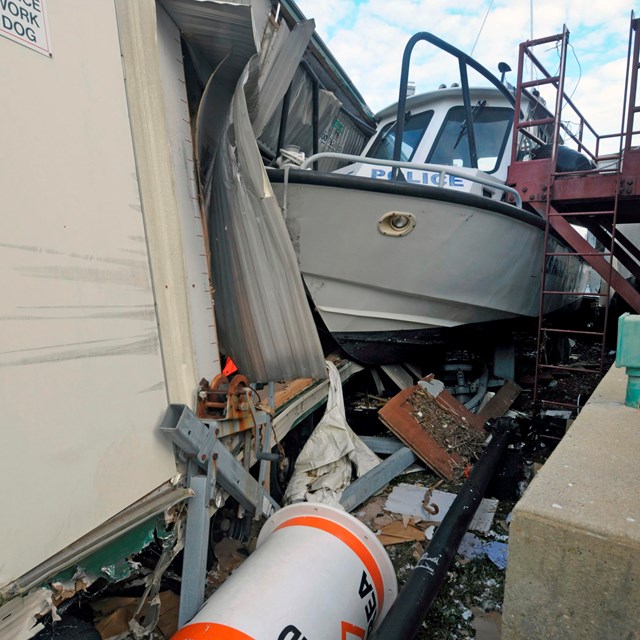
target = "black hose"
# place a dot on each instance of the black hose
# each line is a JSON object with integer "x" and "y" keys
{"x": 412, "y": 604}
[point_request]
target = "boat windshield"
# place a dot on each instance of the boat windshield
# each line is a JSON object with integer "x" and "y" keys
{"x": 414, "y": 128}
{"x": 491, "y": 126}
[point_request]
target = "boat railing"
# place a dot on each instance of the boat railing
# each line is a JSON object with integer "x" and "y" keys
{"x": 465, "y": 62}
{"x": 442, "y": 170}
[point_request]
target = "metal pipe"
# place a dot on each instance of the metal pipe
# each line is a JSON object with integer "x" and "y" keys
{"x": 315, "y": 99}
{"x": 412, "y": 604}
{"x": 559, "y": 98}
{"x": 284, "y": 118}
{"x": 404, "y": 81}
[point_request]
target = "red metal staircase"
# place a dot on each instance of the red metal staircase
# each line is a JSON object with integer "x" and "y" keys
{"x": 598, "y": 199}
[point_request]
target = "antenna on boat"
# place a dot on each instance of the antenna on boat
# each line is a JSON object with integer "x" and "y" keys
{"x": 503, "y": 68}
{"x": 486, "y": 15}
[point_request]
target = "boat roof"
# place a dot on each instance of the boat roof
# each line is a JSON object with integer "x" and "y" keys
{"x": 424, "y": 99}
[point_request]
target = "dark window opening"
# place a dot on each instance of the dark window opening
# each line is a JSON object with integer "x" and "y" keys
{"x": 491, "y": 126}
{"x": 414, "y": 127}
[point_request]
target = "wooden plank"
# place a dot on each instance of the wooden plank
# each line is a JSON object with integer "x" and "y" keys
{"x": 500, "y": 403}
{"x": 397, "y": 416}
{"x": 288, "y": 390}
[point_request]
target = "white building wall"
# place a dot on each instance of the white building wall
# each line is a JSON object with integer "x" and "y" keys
{"x": 82, "y": 386}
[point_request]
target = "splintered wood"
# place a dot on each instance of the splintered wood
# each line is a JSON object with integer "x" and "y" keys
{"x": 449, "y": 430}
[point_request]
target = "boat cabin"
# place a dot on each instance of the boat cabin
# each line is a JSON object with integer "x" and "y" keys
{"x": 436, "y": 133}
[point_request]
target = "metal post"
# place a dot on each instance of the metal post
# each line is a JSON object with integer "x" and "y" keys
{"x": 315, "y": 99}
{"x": 284, "y": 117}
{"x": 196, "y": 539}
{"x": 559, "y": 98}
{"x": 410, "y": 608}
{"x": 632, "y": 63}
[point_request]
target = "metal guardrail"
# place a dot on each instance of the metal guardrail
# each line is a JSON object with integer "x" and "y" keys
{"x": 442, "y": 170}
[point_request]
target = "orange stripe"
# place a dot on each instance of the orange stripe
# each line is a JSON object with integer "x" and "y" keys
{"x": 209, "y": 631}
{"x": 351, "y": 540}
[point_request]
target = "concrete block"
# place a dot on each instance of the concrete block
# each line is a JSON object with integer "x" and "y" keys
{"x": 574, "y": 549}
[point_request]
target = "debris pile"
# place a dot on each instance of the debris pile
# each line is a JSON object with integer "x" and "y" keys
{"x": 449, "y": 430}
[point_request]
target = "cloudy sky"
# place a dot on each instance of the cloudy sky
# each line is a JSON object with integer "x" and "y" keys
{"x": 367, "y": 37}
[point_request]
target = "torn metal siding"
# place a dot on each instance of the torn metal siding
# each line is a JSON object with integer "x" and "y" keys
{"x": 336, "y": 129}
{"x": 19, "y": 619}
{"x": 328, "y": 69}
{"x": 263, "y": 315}
{"x": 216, "y": 29}
{"x": 345, "y": 122}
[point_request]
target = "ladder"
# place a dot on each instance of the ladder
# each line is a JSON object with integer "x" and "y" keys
{"x": 597, "y": 198}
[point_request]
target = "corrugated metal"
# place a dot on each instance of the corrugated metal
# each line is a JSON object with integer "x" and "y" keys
{"x": 264, "y": 320}
{"x": 216, "y": 29}
{"x": 337, "y": 131}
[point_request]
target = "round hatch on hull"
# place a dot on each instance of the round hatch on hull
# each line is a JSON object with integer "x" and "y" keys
{"x": 396, "y": 223}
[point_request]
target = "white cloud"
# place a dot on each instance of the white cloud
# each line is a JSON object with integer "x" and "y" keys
{"x": 368, "y": 38}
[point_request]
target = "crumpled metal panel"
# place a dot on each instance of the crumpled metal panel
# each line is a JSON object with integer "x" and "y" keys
{"x": 337, "y": 130}
{"x": 264, "y": 320}
{"x": 300, "y": 120}
{"x": 216, "y": 28}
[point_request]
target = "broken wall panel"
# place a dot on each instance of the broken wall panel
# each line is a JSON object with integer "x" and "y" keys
{"x": 263, "y": 316}
{"x": 337, "y": 131}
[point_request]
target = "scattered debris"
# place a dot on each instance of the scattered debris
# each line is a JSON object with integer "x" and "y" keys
{"x": 21, "y": 616}
{"x": 421, "y": 421}
{"x": 451, "y": 432}
{"x": 501, "y": 402}
{"x": 114, "y": 614}
{"x": 487, "y": 624}
{"x": 397, "y": 532}
{"x": 230, "y": 554}
{"x": 474, "y": 547}
{"x": 408, "y": 500}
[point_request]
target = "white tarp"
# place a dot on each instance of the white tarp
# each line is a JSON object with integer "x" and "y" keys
{"x": 331, "y": 455}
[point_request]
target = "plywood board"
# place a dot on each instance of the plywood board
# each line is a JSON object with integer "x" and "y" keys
{"x": 397, "y": 416}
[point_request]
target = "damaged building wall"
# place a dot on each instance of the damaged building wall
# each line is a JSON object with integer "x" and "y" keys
{"x": 337, "y": 131}
{"x": 264, "y": 319}
{"x": 81, "y": 374}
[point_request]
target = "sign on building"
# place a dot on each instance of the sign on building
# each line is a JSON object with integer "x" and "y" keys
{"x": 25, "y": 21}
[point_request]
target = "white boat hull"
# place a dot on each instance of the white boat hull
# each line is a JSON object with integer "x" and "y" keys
{"x": 463, "y": 263}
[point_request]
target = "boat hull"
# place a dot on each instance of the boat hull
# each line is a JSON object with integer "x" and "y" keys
{"x": 468, "y": 260}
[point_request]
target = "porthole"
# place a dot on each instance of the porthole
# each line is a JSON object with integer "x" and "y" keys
{"x": 396, "y": 223}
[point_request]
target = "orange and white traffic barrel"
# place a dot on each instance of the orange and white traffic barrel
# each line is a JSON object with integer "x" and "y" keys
{"x": 317, "y": 574}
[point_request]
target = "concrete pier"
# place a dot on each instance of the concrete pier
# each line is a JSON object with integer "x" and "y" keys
{"x": 574, "y": 549}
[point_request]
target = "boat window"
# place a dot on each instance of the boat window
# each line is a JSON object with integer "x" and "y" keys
{"x": 414, "y": 128}
{"x": 491, "y": 126}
